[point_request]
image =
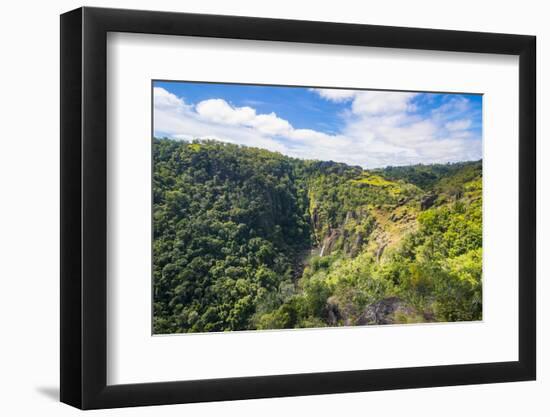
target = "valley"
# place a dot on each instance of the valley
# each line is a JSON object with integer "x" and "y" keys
{"x": 248, "y": 239}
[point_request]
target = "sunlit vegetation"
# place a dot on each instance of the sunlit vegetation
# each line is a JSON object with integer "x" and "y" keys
{"x": 249, "y": 239}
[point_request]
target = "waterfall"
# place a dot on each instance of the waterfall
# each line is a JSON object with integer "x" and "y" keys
{"x": 322, "y": 250}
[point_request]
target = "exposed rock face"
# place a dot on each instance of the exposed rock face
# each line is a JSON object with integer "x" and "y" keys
{"x": 349, "y": 236}
{"x": 333, "y": 312}
{"x": 402, "y": 201}
{"x": 391, "y": 310}
{"x": 329, "y": 242}
{"x": 427, "y": 201}
{"x": 380, "y": 251}
{"x": 315, "y": 219}
{"x": 385, "y": 311}
{"x": 349, "y": 215}
{"x": 355, "y": 246}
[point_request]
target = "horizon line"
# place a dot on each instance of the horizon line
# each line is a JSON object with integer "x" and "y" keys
{"x": 190, "y": 141}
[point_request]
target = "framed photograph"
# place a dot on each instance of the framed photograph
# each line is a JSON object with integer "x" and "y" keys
{"x": 256, "y": 208}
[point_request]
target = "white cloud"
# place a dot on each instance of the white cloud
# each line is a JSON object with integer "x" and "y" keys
{"x": 382, "y": 102}
{"x": 219, "y": 111}
{"x": 370, "y": 102}
{"x": 333, "y": 94}
{"x": 166, "y": 100}
{"x": 380, "y": 128}
{"x": 454, "y": 105}
{"x": 270, "y": 124}
{"x": 455, "y": 125}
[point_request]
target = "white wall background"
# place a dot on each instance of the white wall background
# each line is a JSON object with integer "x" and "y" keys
{"x": 29, "y": 225}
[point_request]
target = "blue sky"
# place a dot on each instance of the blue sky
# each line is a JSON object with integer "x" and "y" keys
{"x": 358, "y": 127}
{"x": 297, "y": 105}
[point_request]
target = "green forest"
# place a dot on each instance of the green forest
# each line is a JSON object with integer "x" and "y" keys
{"x": 248, "y": 239}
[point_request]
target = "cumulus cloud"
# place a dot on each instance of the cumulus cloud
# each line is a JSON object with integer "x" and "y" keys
{"x": 164, "y": 100}
{"x": 380, "y": 128}
{"x": 219, "y": 111}
{"x": 382, "y": 103}
{"x": 370, "y": 102}
{"x": 334, "y": 94}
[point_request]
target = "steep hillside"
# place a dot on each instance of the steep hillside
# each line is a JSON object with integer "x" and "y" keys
{"x": 250, "y": 239}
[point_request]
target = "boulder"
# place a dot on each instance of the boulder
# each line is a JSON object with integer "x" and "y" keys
{"x": 427, "y": 201}
{"x": 384, "y": 311}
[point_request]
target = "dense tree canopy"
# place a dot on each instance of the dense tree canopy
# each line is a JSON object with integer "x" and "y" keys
{"x": 245, "y": 238}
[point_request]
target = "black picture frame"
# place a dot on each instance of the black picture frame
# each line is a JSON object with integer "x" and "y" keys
{"x": 84, "y": 207}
